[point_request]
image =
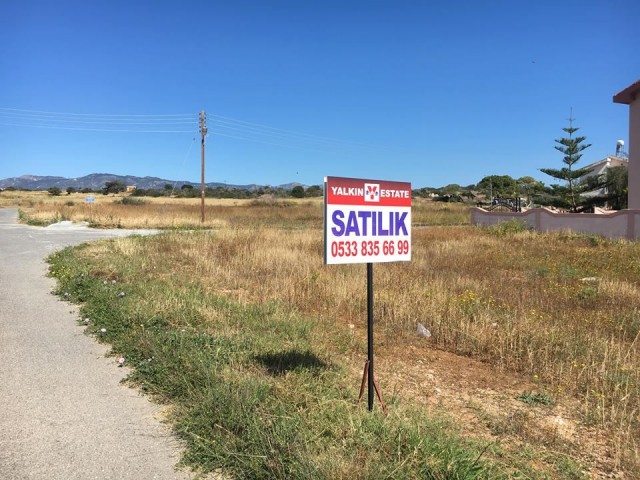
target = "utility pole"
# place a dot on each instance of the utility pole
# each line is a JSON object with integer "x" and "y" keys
{"x": 203, "y": 133}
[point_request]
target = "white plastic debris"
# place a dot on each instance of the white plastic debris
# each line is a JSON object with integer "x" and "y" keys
{"x": 121, "y": 361}
{"x": 103, "y": 330}
{"x": 423, "y": 331}
{"x": 86, "y": 321}
{"x": 589, "y": 279}
{"x": 121, "y": 294}
{"x": 113, "y": 282}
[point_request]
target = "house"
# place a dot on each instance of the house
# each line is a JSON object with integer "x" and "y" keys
{"x": 131, "y": 188}
{"x": 599, "y": 168}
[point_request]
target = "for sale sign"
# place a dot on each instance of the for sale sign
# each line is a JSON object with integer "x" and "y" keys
{"x": 366, "y": 221}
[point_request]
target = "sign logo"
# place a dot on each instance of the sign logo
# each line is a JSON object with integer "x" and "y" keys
{"x": 372, "y": 192}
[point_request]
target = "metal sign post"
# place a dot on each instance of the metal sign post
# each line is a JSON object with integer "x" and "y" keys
{"x": 370, "y": 337}
{"x": 367, "y": 221}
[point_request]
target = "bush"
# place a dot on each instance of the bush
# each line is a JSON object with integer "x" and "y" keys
{"x": 55, "y": 191}
{"x": 297, "y": 191}
{"x": 509, "y": 227}
{"x": 130, "y": 201}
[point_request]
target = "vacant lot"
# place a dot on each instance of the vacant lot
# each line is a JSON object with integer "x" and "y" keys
{"x": 533, "y": 353}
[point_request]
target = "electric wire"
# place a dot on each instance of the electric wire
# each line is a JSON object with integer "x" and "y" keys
{"x": 220, "y": 125}
{"x": 269, "y": 142}
{"x": 257, "y": 134}
{"x": 188, "y": 115}
{"x": 279, "y": 131}
{"x": 59, "y": 127}
{"x": 184, "y": 161}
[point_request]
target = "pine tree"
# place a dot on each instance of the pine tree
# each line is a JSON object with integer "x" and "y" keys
{"x": 572, "y": 147}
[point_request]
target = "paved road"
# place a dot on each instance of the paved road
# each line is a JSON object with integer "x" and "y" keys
{"x": 63, "y": 413}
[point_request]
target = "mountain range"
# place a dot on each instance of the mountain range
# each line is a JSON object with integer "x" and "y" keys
{"x": 96, "y": 181}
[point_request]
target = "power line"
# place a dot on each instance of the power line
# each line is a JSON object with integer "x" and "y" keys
{"x": 175, "y": 123}
{"x": 268, "y": 142}
{"x": 258, "y": 126}
{"x": 59, "y": 127}
{"x": 189, "y": 115}
{"x": 256, "y": 132}
{"x": 56, "y": 120}
{"x": 281, "y": 136}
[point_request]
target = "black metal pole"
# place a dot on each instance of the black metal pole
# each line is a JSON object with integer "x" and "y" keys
{"x": 370, "y": 333}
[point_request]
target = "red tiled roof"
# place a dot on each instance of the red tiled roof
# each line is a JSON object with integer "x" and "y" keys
{"x": 627, "y": 95}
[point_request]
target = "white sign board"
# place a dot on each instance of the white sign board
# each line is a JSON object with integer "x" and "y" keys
{"x": 366, "y": 221}
{"x": 90, "y": 199}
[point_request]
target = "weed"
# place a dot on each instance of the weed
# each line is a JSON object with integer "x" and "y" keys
{"x": 130, "y": 201}
{"x": 509, "y": 227}
{"x": 534, "y": 398}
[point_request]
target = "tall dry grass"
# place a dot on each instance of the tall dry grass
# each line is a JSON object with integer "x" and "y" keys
{"x": 563, "y": 310}
{"x": 123, "y": 211}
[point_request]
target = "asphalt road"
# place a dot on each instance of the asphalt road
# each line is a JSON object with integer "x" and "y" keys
{"x": 63, "y": 412}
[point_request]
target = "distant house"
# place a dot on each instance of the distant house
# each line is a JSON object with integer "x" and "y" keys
{"x": 131, "y": 188}
{"x": 599, "y": 169}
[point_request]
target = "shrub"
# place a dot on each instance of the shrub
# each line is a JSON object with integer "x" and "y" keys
{"x": 130, "y": 201}
{"x": 509, "y": 227}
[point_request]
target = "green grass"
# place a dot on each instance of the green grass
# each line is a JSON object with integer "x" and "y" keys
{"x": 535, "y": 398}
{"x": 252, "y": 392}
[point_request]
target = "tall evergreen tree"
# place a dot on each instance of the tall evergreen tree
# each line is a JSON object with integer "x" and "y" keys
{"x": 568, "y": 196}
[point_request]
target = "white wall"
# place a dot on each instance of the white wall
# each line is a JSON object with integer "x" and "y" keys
{"x": 620, "y": 224}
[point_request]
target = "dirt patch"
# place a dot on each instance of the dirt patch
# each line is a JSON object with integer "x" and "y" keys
{"x": 489, "y": 404}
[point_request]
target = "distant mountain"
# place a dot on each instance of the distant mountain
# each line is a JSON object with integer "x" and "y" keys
{"x": 96, "y": 181}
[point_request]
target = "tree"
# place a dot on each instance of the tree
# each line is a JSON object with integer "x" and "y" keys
{"x": 498, "y": 186}
{"x": 113, "y": 187}
{"x": 450, "y": 193}
{"x": 297, "y": 191}
{"x": 451, "y": 189}
{"x": 55, "y": 191}
{"x": 617, "y": 179}
{"x": 529, "y": 186}
{"x": 314, "y": 191}
{"x": 71, "y": 190}
{"x": 568, "y": 196}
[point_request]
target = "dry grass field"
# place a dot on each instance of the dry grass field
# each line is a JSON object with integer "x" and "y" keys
{"x": 561, "y": 311}
{"x": 534, "y": 337}
{"x": 123, "y": 211}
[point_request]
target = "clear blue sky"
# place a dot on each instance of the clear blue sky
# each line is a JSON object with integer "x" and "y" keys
{"x": 423, "y": 91}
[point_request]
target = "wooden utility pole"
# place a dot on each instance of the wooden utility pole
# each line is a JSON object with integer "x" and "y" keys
{"x": 203, "y": 133}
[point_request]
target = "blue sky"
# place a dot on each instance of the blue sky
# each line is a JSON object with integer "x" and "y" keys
{"x": 422, "y": 91}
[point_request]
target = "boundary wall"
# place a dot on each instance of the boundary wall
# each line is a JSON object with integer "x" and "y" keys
{"x": 618, "y": 224}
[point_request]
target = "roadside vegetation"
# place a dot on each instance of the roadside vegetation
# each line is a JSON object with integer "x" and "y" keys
{"x": 258, "y": 347}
